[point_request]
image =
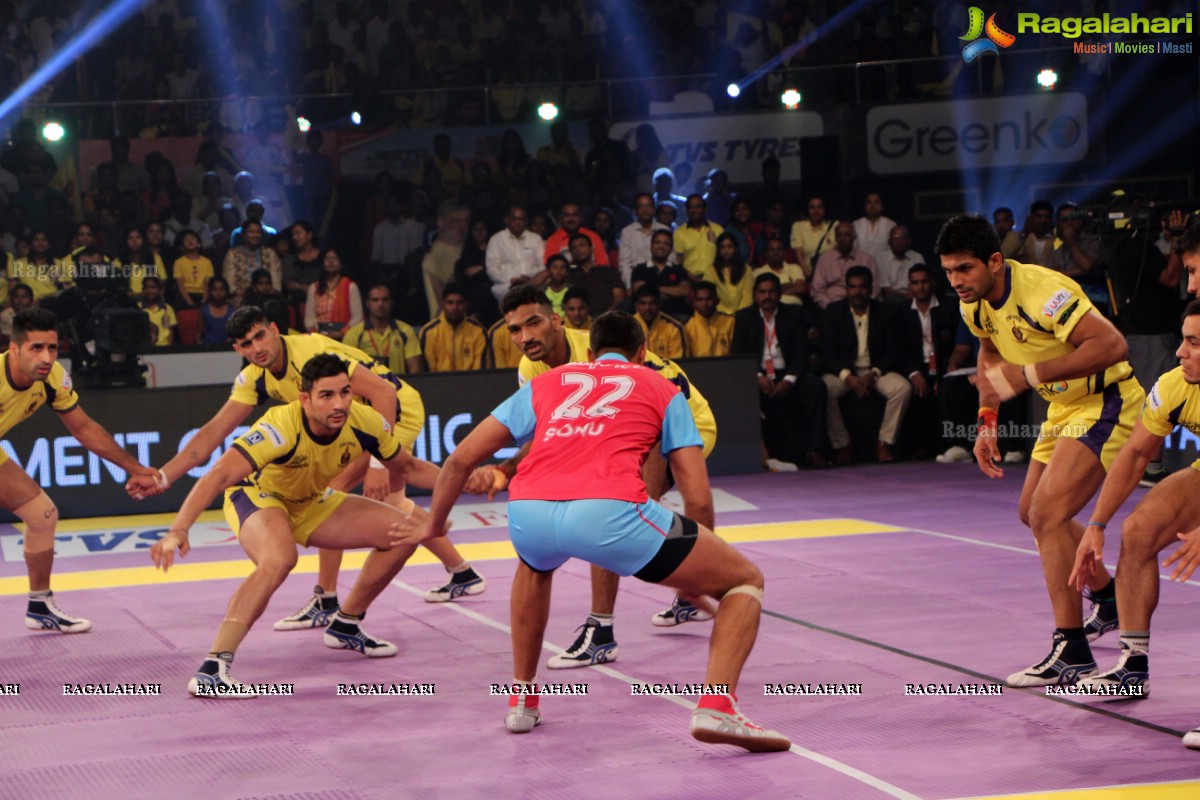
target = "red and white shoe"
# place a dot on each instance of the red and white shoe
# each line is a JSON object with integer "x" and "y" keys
{"x": 523, "y": 713}
{"x": 718, "y": 720}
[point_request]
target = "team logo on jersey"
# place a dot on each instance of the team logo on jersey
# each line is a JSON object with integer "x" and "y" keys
{"x": 989, "y": 326}
{"x": 270, "y": 430}
{"x": 345, "y": 459}
{"x": 1056, "y": 302}
{"x": 66, "y": 382}
{"x": 1154, "y": 399}
{"x": 241, "y": 379}
{"x": 1018, "y": 334}
{"x": 253, "y": 438}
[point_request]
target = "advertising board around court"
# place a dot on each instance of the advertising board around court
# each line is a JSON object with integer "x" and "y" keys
{"x": 154, "y": 424}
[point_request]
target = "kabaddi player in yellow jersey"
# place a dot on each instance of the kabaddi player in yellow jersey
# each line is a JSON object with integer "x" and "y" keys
{"x": 1037, "y": 330}
{"x": 32, "y": 377}
{"x": 276, "y": 480}
{"x": 274, "y": 374}
{"x": 547, "y": 344}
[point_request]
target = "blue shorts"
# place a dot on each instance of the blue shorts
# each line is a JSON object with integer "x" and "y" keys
{"x": 620, "y": 536}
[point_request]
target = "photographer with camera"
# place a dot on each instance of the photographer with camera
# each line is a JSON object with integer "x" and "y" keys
{"x": 1076, "y": 254}
{"x": 1146, "y": 285}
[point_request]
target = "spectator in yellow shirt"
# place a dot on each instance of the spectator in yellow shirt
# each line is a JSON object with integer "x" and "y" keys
{"x": 790, "y": 274}
{"x": 664, "y": 334}
{"x": 453, "y": 341}
{"x": 731, "y": 276}
{"x": 709, "y": 333}
{"x": 163, "y": 324}
{"x": 191, "y": 270}
{"x": 696, "y": 241}
{"x": 390, "y": 342}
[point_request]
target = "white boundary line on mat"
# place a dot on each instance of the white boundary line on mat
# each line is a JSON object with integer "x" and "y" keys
{"x": 825, "y": 761}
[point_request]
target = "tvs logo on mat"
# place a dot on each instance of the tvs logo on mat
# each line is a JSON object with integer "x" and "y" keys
{"x": 996, "y": 38}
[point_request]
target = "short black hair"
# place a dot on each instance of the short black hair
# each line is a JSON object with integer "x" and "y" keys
{"x": 152, "y": 278}
{"x": 557, "y": 257}
{"x": 454, "y": 287}
{"x": 241, "y": 321}
{"x": 215, "y": 280}
{"x": 919, "y": 267}
{"x": 1192, "y": 309}
{"x": 647, "y": 290}
{"x": 523, "y": 295}
{"x": 1189, "y": 242}
{"x": 859, "y": 271}
{"x": 967, "y": 233}
{"x": 577, "y": 294}
{"x": 32, "y": 320}
{"x": 1002, "y": 210}
{"x": 1040, "y": 205}
{"x": 771, "y": 277}
{"x": 322, "y": 365}
{"x": 576, "y": 237}
{"x": 705, "y": 286}
{"x": 662, "y": 232}
{"x": 616, "y": 330}
{"x": 259, "y": 274}
{"x": 21, "y": 287}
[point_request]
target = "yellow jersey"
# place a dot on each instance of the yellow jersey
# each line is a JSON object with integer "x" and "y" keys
{"x": 18, "y": 405}
{"x": 1033, "y": 322}
{"x": 256, "y": 385}
{"x": 711, "y": 337}
{"x": 451, "y": 349}
{"x": 1173, "y": 401}
{"x": 391, "y": 349}
{"x": 502, "y": 353}
{"x": 697, "y": 247}
{"x": 191, "y": 275}
{"x": 294, "y": 465}
{"x": 577, "y": 347}
{"x": 163, "y": 319}
{"x": 44, "y": 280}
{"x": 665, "y": 336}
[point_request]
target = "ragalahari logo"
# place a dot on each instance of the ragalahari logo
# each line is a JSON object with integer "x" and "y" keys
{"x": 996, "y": 38}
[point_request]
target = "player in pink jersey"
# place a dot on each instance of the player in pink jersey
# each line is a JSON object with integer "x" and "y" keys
{"x": 596, "y": 509}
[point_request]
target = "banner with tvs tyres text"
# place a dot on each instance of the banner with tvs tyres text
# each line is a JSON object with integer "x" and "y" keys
{"x": 154, "y": 424}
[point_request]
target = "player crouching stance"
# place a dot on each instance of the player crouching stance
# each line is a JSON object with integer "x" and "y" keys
{"x": 591, "y": 426}
{"x": 276, "y": 482}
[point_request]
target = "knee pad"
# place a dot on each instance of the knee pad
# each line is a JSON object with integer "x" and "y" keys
{"x": 40, "y": 517}
{"x": 747, "y": 589}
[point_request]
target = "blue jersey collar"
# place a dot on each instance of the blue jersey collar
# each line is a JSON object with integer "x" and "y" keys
{"x": 613, "y": 357}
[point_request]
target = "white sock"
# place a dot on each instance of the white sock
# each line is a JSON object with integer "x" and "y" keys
{"x": 461, "y": 568}
{"x": 604, "y": 619}
{"x": 1136, "y": 641}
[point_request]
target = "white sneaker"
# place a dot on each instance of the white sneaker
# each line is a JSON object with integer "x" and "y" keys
{"x": 523, "y": 713}
{"x": 1014, "y": 457}
{"x": 1191, "y": 739}
{"x": 680, "y": 612}
{"x": 213, "y": 680}
{"x": 775, "y": 465}
{"x": 44, "y": 615}
{"x": 726, "y": 724}
{"x": 954, "y": 455}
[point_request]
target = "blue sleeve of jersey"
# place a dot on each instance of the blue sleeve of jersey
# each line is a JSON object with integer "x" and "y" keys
{"x": 516, "y": 414}
{"x": 679, "y": 426}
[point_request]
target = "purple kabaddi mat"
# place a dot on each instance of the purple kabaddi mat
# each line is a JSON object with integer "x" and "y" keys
{"x": 954, "y": 598}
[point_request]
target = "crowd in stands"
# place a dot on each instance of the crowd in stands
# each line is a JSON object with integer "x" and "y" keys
{"x": 193, "y": 58}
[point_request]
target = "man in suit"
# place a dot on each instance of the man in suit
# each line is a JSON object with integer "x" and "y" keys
{"x": 864, "y": 352}
{"x": 791, "y": 398}
{"x": 931, "y": 333}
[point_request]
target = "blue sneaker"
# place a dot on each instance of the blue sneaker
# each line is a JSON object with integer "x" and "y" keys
{"x": 594, "y": 645}
{"x": 42, "y": 614}
{"x": 1055, "y": 669}
{"x": 681, "y": 611}
{"x": 1128, "y": 680}
{"x": 1102, "y": 619}
{"x": 347, "y": 635}
{"x": 461, "y": 584}
{"x": 213, "y": 680}
{"x": 317, "y": 613}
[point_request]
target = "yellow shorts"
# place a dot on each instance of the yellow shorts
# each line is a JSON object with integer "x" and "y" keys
{"x": 412, "y": 416}
{"x": 242, "y": 501}
{"x": 1101, "y": 421}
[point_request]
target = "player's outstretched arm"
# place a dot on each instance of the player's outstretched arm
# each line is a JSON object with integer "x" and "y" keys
{"x": 197, "y": 451}
{"x": 1122, "y": 479}
{"x": 488, "y": 436}
{"x": 230, "y": 468}
{"x": 374, "y": 389}
{"x": 94, "y": 437}
{"x": 691, "y": 478}
{"x": 990, "y": 372}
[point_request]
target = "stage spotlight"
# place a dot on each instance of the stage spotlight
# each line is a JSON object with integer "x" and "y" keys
{"x": 733, "y": 90}
{"x": 356, "y": 118}
{"x": 1047, "y": 79}
{"x": 53, "y": 131}
{"x": 790, "y": 98}
{"x": 547, "y": 111}
{"x": 303, "y": 124}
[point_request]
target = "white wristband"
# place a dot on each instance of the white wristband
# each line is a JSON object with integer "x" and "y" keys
{"x": 995, "y": 376}
{"x": 161, "y": 480}
{"x": 1031, "y": 375}
{"x": 376, "y": 463}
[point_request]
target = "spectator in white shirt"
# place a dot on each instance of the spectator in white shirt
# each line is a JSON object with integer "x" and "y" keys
{"x": 871, "y": 230}
{"x": 514, "y": 255}
{"x": 635, "y": 237}
{"x": 395, "y": 237}
{"x": 893, "y": 266}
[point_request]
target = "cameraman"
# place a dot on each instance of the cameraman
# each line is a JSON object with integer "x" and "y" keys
{"x": 1146, "y": 285}
{"x": 1076, "y": 254}
{"x": 98, "y": 283}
